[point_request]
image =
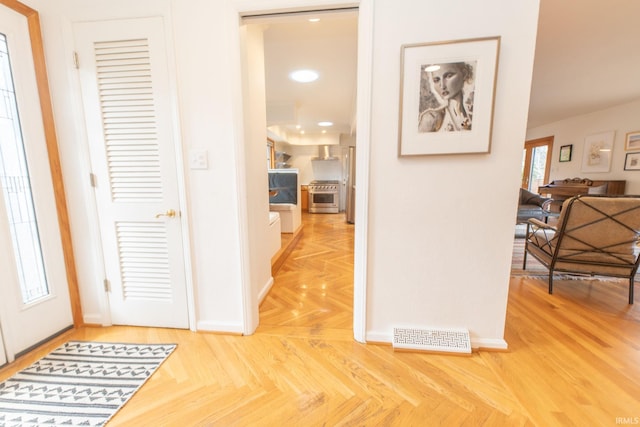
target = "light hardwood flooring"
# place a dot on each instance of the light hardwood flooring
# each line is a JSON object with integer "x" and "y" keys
{"x": 573, "y": 359}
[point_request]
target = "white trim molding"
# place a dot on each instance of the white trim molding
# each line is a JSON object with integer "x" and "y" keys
{"x": 363, "y": 141}
{"x": 365, "y": 55}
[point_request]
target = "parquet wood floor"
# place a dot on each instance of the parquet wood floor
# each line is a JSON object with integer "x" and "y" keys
{"x": 314, "y": 286}
{"x": 573, "y": 359}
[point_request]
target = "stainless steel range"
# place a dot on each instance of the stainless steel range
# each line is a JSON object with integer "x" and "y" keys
{"x": 324, "y": 196}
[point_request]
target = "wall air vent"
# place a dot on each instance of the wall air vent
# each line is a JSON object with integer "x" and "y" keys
{"x": 432, "y": 340}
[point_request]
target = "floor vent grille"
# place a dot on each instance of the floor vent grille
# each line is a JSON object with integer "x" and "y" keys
{"x": 435, "y": 340}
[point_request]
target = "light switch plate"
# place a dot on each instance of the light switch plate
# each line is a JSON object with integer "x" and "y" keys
{"x": 198, "y": 159}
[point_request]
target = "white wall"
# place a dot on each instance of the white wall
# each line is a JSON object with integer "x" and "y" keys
{"x": 621, "y": 119}
{"x": 255, "y": 172}
{"x": 302, "y": 159}
{"x": 207, "y": 59}
{"x": 441, "y": 227}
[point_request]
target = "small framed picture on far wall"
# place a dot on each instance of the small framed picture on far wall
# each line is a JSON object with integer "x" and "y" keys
{"x": 565, "y": 153}
{"x": 632, "y": 162}
{"x": 632, "y": 141}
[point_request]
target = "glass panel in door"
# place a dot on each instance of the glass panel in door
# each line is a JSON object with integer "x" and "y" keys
{"x": 538, "y": 167}
{"x": 34, "y": 293}
{"x": 16, "y": 190}
{"x": 536, "y": 163}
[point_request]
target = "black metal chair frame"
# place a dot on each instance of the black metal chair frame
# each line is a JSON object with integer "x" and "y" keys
{"x": 548, "y": 232}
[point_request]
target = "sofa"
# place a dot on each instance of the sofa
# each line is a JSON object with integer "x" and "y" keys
{"x": 532, "y": 205}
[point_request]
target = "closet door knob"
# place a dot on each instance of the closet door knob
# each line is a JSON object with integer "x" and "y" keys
{"x": 170, "y": 213}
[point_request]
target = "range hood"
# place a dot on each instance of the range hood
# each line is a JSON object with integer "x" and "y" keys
{"x": 324, "y": 153}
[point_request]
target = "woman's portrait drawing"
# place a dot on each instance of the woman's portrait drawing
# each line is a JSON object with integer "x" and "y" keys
{"x": 446, "y": 97}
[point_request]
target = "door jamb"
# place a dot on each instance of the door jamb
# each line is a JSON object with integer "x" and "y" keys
{"x": 364, "y": 83}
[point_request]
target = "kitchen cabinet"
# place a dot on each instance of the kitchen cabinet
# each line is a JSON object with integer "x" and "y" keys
{"x": 304, "y": 195}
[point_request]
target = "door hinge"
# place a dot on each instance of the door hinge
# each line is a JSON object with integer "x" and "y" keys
{"x": 92, "y": 180}
{"x": 76, "y": 61}
{"x": 107, "y": 285}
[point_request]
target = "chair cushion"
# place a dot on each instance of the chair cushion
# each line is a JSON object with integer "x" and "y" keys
{"x": 588, "y": 226}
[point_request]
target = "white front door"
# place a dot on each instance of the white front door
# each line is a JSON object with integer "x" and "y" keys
{"x": 3, "y": 354}
{"x": 125, "y": 82}
{"x": 34, "y": 294}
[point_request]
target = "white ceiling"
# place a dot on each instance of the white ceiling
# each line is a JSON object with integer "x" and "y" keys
{"x": 328, "y": 47}
{"x": 587, "y": 59}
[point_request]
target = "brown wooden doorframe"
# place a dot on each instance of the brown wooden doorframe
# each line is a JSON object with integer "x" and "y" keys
{"x": 529, "y": 146}
{"x": 37, "y": 48}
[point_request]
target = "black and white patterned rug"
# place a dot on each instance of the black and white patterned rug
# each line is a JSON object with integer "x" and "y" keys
{"x": 78, "y": 384}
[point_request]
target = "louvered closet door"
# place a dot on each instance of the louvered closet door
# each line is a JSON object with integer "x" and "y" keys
{"x": 126, "y": 96}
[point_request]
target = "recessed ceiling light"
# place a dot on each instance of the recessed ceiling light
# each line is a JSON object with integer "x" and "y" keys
{"x": 304, "y": 76}
{"x": 325, "y": 124}
{"x": 314, "y": 19}
{"x": 324, "y": 131}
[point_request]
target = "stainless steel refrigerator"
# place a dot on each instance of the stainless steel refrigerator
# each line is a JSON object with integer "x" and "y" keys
{"x": 351, "y": 186}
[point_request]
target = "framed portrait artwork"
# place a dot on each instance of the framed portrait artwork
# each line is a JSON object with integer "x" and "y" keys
{"x": 632, "y": 141}
{"x": 598, "y": 152}
{"x": 632, "y": 162}
{"x": 446, "y": 96}
{"x": 565, "y": 153}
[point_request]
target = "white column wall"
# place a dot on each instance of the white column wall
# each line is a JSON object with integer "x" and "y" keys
{"x": 441, "y": 227}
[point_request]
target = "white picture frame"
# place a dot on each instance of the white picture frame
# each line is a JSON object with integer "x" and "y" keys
{"x": 598, "y": 152}
{"x": 433, "y": 120}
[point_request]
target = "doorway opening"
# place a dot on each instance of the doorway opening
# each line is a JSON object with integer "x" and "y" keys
{"x": 302, "y": 120}
{"x": 536, "y": 163}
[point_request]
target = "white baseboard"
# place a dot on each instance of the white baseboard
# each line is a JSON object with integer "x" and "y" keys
{"x": 489, "y": 344}
{"x": 483, "y": 343}
{"x": 265, "y": 290}
{"x": 231, "y": 328}
{"x": 376, "y": 336}
{"x": 93, "y": 319}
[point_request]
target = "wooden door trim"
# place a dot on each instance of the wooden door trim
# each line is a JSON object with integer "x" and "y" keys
{"x": 547, "y": 140}
{"x": 37, "y": 49}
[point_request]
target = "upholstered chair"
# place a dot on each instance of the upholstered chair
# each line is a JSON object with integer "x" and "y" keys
{"x": 594, "y": 235}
